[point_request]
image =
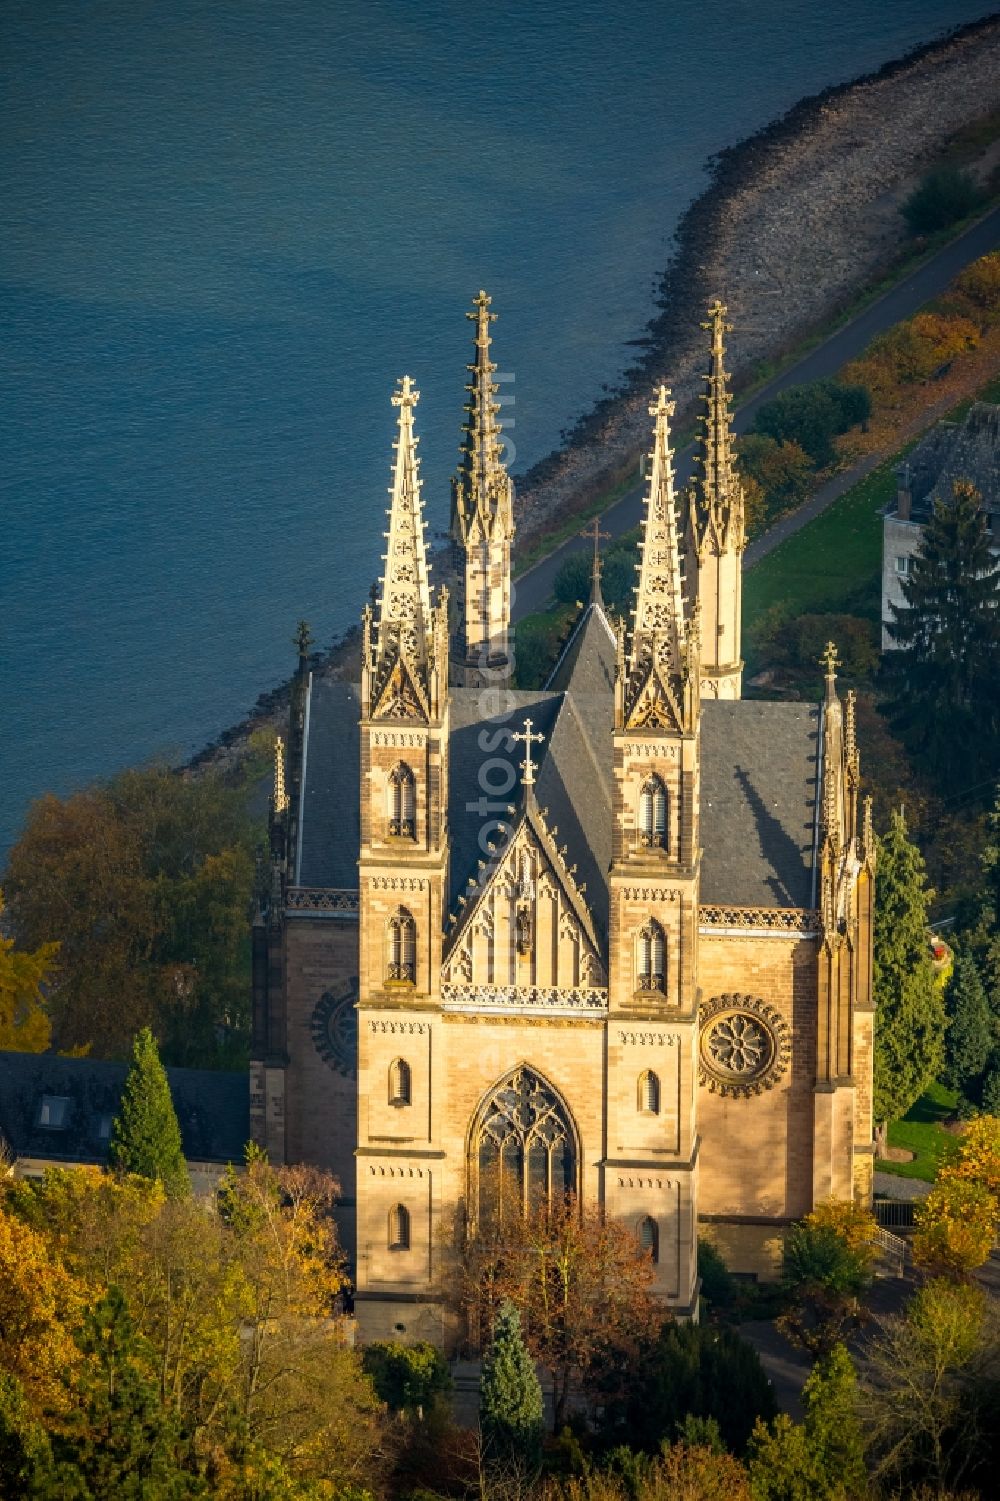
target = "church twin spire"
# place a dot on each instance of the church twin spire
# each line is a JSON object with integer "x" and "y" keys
{"x": 482, "y": 493}
{"x": 404, "y": 645}
{"x": 658, "y": 677}
{"x": 715, "y": 500}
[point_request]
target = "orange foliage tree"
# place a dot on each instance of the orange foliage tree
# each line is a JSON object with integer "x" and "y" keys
{"x": 955, "y": 1227}
{"x": 581, "y": 1283}
{"x": 39, "y": 1304}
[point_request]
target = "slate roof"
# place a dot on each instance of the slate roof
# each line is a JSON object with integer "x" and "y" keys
{"x": 758, "y": 800}
{"x": 967, "y": 450}
{"x": 759, "y": 791}
{"x": 213, "y": 1108}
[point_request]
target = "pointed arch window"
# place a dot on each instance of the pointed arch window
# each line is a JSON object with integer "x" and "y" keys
{"x": 649, "y": 1238}
{"x": 651, "y": 958}
{"x": 649, "y": 1093}
{"x": 402, "y": 960}
{"x": 402, "y": 802}
{"x": 400, "y": 1082}
{"x": 399, "y": 1228}
{"x": 523, "y": 1148}
{"x": 653, "y": 814}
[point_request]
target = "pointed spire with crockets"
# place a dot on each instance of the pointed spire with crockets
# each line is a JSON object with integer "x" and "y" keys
{"x": 404, "y": 605}
{"x": 658, "y": 626}
{"x": 404, "y": 637}
{"x": 482, "y": 496}
{"x": 662, "y": 669}
{"x": 716, "y": 511}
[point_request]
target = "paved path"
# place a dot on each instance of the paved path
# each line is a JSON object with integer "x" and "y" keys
{"x": 533, "y": 590}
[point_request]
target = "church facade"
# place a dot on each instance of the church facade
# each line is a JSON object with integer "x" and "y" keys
{"x": 612, "y": 937}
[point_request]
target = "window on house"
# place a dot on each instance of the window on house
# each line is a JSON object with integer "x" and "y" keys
{"x": 53, "y": 1113}
{"x": 903, "y": 566}
{"x": 399, "y": 1228}
{"x": 653, "y": 814}
{"x": 649, "y": 1093}
{"x": 104, "y": 1125}
{"x": 649, "y": 1238}
{"x": 399, "y": 1082}
{"x": 651, "y": 958}
{"x": 402, "y": 963}
{"x": 402, "y": 802}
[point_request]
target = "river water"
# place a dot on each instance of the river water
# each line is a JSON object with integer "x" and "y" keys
{"x": 230, "y": 224}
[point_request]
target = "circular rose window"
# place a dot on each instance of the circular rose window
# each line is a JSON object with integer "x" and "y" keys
{"x": 744, "y": 1045}
{"x": 334, "y": 1028}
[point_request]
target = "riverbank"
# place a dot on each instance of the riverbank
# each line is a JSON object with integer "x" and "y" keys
{"x": 764, "y": 236}
{"x": 795, "y": 220}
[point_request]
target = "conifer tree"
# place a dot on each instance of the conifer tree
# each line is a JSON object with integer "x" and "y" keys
{"x": 146, "y": 1138}
{"x": 946, "y": 703}
{"x": 970, "y": 1029}
{"x": 910, "y": 1021}
{"x": 510, "y": 1397}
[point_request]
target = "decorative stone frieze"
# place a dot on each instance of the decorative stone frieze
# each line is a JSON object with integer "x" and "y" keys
{"x": 592, "y": 1000}
{"x": 760, "y": 919}
{"x": 321, "y": 899}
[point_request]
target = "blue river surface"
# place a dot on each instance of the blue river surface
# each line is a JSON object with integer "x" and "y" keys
{"x": 230, "y": 224}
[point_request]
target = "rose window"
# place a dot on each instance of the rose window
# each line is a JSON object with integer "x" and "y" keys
{"x": 739, "y": 1044}
{"x": 745, "y": 1045}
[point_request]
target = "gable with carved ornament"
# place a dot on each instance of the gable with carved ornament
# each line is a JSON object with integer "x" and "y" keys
{"x": 525, "y": 926}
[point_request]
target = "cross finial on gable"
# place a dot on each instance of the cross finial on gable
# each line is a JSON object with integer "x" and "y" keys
{"x": 529, "y": 739}
{"x": 829, "y": 659}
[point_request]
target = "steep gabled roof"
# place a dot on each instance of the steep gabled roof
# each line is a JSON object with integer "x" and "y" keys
{"x": 586, "y": 665}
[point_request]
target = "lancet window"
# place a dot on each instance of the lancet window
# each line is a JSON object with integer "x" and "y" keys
{"x": 649, "y": 1238}
{"x": 649, "y": 1093}
{"x": 523, "y": 1148}
{"x": 402, "y": 959}
{"x": 400, "y": 1088}
{"x": 402, "y": 802}
{"x": 651, "y": 958}
{"x": 399, "y": 1228}
{"x": 653, "y": 814}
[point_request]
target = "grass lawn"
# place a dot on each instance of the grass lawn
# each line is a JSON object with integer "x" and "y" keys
{"x": 834, "y": 563}
{"x": 921, "y": 1131}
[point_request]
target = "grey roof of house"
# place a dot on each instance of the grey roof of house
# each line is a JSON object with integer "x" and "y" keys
{"x": 759, "y": 790}
{"x": 213, "y": 1108}
{"x": 758, "y": 801}
{"x": 951, "y": 451}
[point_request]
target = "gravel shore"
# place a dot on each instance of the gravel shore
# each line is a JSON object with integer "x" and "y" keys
{"x": 796, "y": 219}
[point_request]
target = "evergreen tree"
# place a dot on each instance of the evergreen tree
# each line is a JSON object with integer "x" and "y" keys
{"x": 910, "y": 1021}
{"x": 146, "y": 1138}
{"x": 511, "y": 1414}
{"x": 821, "y": 1459}
{"x": 946, "y": 676}
{"x": 970, "y": 1029}
{"x": 118, "y": 1439}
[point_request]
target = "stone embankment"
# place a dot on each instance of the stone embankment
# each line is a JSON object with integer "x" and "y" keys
{"x": 796, "y": 219}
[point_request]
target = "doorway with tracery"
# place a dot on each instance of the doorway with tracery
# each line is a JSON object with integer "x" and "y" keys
{"x": 522, "y": 1151}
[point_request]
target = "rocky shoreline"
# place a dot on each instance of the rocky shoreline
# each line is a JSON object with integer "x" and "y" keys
{"x": 763, "y": 236}
{"x": 794, "y": 221}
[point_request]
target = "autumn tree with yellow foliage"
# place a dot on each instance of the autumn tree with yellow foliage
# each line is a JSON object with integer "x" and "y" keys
{"x": 24, "y": 1019}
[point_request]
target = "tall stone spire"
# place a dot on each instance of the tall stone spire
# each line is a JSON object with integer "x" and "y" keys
{"x": 715, "y": 531}
{"x": 662, "y": 662}
{"x": 482, "y": 519}
{"x": 401, "y": 639}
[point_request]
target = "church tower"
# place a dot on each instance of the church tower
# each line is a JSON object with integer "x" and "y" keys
{"x": 715, "y": 534}
{"x": 482, "y": 524}
{"x": 404, "y": 749}
{"x": 654, "y": 896}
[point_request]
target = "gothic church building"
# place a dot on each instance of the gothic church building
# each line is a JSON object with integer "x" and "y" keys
{"x": 613, "y": 936}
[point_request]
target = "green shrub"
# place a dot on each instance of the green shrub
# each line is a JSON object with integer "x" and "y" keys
{"x": 407, "y": 1377}
{"x": 943, "y": 197}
